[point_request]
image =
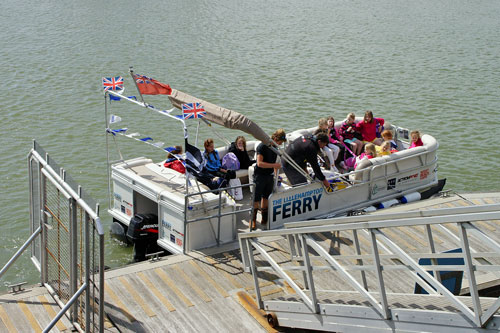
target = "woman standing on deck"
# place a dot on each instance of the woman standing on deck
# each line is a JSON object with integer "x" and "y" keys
{"x": 263, "y": 176}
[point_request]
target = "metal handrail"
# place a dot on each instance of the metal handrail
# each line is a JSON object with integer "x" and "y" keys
{"x": 491, "y": 213}
{"x": 20, "y": 251}
{"x": 66, "y": 307}
{"x": 219, "y": 214}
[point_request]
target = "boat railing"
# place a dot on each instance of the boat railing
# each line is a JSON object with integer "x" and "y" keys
{"x": 223, "y": 194}
{"x": 373, "y": 170}
{"x": 378, "y": 254}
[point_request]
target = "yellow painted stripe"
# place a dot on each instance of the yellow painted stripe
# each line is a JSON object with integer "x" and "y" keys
{"x": 397, "y": 239}
{"x": 344, "y": 238}
{"x": 288, "y": 288}
{"x": 452, "y": 226}
{"x": 228, "y": 276}
{"x": 414, "y": 233}
{"x": 276, "y": 245}
{"x": 323, "y": 237}
{"x": 117, "y": 302}
{"x": 171, "y": 284}
{"x": 6, "y": 320}
{"x": 249, "y": 304}
{"x": 209, "y": 279}
{"x": 268, "y": 292}
{"x": 51, "y": 312}
{"x": 364, "y": 239}
{"x": 463, "y": 203}
{"x": 193, "y": 285}
{"x": 236, "y": 263}
{"x": 326, "y": 239}
{"x": 94, "y": 305}
{"x": 155, "y": 291}
{"x": 29, "y": 316}
{"x": 296, "y": 263}
{"x": 435, "y": 237}
{"x": 486, "y": 225}
{"x": 261, "y": 285}
{"x": 137, "y": 298}
{"x": 489, "y": 201}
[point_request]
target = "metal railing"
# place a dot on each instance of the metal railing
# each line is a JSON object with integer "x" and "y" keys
{"x": 67, "y": 243}
{"x": 379, "y": 230}
{"x": 220, "y": 214}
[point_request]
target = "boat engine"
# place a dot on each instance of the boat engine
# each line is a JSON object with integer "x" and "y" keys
{"x": 143, "y": 233}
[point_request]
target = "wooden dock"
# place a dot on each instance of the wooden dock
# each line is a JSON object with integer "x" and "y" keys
{"x": 208, "y": 291}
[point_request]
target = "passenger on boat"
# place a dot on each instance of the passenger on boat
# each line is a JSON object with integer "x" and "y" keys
{"x": 385, "y": 149}
{"x": 263, "y": 176}
{"x": 305, "y": 150}
{"x": 335, "y": 138}
{"x": 239, "y": 148}
{"x": 416, "y": 140}
{"x": 348, "y": 131}
{"x": 213, "y": 164}
{"x": 387, "y": 136}
{"x": 368, "y": 128}
{"x": 174, "y": 160}
{"x": 370, "y": 152}
{"x": 331, "y": 150}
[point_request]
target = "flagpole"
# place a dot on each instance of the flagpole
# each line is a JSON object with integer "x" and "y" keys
{"x": 106, "y": 94}
{"x": 131, "y": 71}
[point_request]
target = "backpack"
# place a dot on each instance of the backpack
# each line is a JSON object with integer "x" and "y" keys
{"x": 230, "y": 162}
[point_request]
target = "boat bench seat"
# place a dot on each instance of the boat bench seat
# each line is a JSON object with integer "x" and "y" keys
{"x": 365, "y": 169}
{"x": 242, "y": 174}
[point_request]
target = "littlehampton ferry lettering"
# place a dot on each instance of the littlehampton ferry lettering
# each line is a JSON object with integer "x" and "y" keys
{"x": 297, "y": 204}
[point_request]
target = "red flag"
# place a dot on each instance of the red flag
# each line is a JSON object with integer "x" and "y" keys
{"x": 149, "y": 86}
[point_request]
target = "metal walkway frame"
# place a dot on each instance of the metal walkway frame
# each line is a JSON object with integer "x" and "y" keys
{"x": 308, "y": 311}
{"x": 66, "y": 243}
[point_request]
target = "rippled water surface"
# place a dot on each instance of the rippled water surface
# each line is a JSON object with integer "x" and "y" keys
{"x": 431, "y": 65}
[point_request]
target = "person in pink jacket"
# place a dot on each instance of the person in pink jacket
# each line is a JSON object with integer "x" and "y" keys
{"x": 416, "y": 140}
{"x": 368, "y": 128}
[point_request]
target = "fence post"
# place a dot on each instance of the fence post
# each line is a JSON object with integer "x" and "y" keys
{"x": 73, "y": 245}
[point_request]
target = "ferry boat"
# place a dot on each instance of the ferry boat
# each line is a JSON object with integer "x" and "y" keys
{"x": 154, "y": 205}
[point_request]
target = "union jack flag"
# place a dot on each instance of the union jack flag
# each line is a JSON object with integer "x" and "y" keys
{"x": 193, "y": 110}
{"x": 112, "y": 83}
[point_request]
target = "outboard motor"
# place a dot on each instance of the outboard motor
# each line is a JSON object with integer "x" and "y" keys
{"x": 143, "y": 233}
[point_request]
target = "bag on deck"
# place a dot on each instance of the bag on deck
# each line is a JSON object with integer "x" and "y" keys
{"x": 176, "y": 165}
{"x": 237, "y": 193}
{"x": 230, "y": 162}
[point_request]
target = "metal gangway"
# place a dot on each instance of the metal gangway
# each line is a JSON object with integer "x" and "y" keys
{"x": 66, "y": 245}
{"x": 411, "y": 271}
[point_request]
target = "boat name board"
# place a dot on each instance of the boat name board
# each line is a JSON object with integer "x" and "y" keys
{"x": 296, "y": 204}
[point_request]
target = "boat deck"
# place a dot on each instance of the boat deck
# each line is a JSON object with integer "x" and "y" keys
{"x": 209, "y": 291}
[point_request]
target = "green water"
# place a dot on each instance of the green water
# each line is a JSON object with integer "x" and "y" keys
{"x": 431, "y": 65}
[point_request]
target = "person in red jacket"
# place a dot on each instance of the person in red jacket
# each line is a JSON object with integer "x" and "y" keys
{"x": 416, "y": 140}
{"x": 368, "y": 128}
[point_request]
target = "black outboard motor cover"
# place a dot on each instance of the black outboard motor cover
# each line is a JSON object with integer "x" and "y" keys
{"x": 143, "y": 227}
